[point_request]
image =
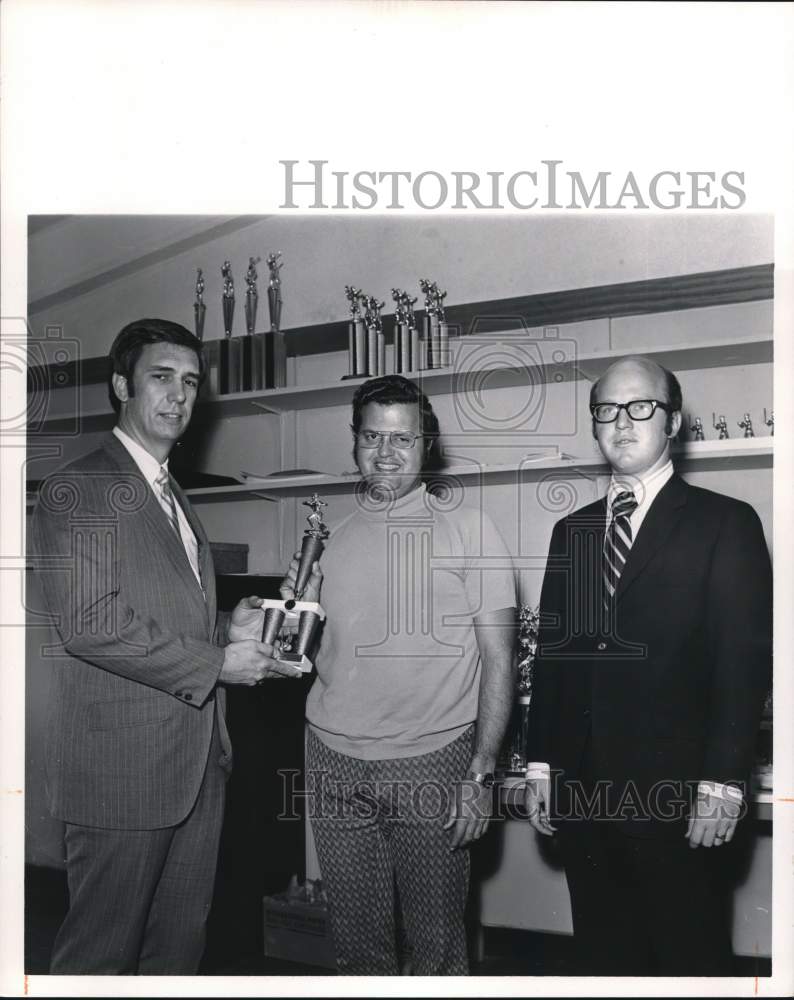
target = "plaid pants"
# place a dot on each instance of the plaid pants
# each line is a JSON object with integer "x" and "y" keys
{"x": 378, "y": 826}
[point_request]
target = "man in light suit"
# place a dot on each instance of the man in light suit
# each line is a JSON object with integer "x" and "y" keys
{"x": 138, "y": 750}
{"x": 653, "y": 661}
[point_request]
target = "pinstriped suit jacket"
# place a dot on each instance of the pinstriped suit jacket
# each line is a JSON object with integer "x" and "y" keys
{"x": 134, "y": 694}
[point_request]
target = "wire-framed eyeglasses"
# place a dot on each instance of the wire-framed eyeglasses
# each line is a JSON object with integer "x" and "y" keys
{"x": 637, "y": 409}
{"x": 399, "y": 440}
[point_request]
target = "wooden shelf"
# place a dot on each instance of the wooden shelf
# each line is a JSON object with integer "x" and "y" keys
{"x": 690, "y": 456}
{"x": 541, "y": 367}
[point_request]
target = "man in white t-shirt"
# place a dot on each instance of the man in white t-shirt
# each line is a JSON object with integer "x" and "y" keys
{"x": 413, "y": 692}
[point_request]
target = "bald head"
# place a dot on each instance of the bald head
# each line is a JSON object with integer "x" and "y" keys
{"x": 637, "y": 445}
{"x": 665, "y": 380}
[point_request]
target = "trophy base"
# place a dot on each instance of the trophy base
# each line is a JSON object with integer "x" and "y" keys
{"x": 291, "y": 627}
{"x": 302, "y": 662}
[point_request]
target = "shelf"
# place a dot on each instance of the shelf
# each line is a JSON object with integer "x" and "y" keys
{"x": 545, "y": 363}
{"x": 691, "y": 456}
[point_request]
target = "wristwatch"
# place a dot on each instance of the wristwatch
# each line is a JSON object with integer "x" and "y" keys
{"x": 486, "y": 779}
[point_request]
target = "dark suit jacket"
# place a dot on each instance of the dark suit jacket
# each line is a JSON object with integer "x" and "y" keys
{"x": 672, "y": 692}
{"x": 134, "y": 694}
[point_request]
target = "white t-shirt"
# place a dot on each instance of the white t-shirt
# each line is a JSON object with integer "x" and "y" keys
{"x": 398, "y": 670}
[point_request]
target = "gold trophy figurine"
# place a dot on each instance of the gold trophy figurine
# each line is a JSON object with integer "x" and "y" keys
{"x": 295, "y": 621}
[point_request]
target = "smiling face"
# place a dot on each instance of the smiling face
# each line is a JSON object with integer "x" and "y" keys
{"x": 391, "y": 472}
{"x": 634, "y": 447}
{"x": 165, "y": 385}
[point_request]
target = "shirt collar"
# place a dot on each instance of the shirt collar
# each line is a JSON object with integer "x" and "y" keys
{"x": 148, "y": 464}
{"x": 645, "y": 488}
{"x": 411, "y": 504}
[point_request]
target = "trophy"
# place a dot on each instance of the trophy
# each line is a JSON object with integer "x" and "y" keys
{"x": 697, "y": 429}
{"x": 296, "y": 620}
{"x": 747, "y": 426}
{"x": 251, "y": 295}
{"x": 199, "y": 309}
{"x": 376, "y": 340}
{"x": 357, "y": 334}
{"x": 228, "y": 297}
{"x": 402, "y": 333}
{"x": 430, "y": 331}
{"x": 720, "y": 425}
{"x": 251, "y": 348}
{"x": 274, "y": 300}
{"x": 441, "y": 345}
{"x": 229, "y": 359}
{"x": 770, "y": 422}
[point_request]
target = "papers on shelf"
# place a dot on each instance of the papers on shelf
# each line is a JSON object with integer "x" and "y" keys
{"x": 269, "y": 477}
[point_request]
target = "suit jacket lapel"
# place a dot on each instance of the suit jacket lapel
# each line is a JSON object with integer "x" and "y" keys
{"x": 659, "y": 522}
{"x": 157, "y": 520}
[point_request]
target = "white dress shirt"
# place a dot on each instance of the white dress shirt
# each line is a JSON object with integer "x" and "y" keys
{"x": 150, "y": 469}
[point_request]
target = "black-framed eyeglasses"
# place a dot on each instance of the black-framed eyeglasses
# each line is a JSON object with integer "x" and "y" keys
{"x": 637, "y": 409}
{"x": 399, "y": 440}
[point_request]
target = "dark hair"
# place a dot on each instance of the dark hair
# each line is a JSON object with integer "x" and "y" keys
{"x": 388, "y": 390}
{"x": 672, "y": 388}
{"x": 129, "y": 344}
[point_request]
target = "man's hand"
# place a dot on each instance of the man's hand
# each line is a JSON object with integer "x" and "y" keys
{"x": 247, "y": 620}
{"x": 248, "y": 662}
{"x": 469, "y": 813}
{"x": 713, "y": 821}
{"x": 536, "y": 803}
{"x": 312, "y": 591}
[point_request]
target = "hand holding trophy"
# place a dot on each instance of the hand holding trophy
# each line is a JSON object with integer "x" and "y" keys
{"x": 293, "y": 619}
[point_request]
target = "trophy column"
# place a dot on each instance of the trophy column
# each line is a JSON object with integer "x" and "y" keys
{"x": 295, "y": 621}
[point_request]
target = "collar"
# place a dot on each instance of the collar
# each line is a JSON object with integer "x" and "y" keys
{"x": 148, "y": 464}
{"x": 412, "y": 504}
{"x": 645, "y": 488}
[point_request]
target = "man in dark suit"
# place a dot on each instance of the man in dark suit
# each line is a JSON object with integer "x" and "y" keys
{"x": 653, "y": 661}
{"x": 138, "y": 750}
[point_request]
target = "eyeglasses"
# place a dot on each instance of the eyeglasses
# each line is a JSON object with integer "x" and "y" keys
{"x": 399, "y": 440}
{"x": 637, "y": 409}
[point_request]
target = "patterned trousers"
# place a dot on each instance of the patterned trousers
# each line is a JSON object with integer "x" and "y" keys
{"x": 378, "y": 826}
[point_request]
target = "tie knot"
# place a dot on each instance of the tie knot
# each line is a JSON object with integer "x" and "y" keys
{"x": 162, "y": 477}
{"x": 624, "y": 504}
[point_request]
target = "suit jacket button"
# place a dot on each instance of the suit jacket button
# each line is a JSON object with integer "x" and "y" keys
{"x": 188, "y": 696}
{"x": 177, "y": 694}
{"x": 602, "y": 646}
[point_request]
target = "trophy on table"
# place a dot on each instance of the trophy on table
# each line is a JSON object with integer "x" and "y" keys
{"x": 770, "y": 421}
{"x": 199, "y": 309}
{"x": 720, "y": 425}
{"x": 295, "y": 621}
{"x": 697, "y": 429}
{"x": 274, "y": 300}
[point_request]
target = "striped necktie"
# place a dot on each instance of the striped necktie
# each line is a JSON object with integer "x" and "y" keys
{"x": 167, "y": 501}
{"x": 617, "y": 542}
